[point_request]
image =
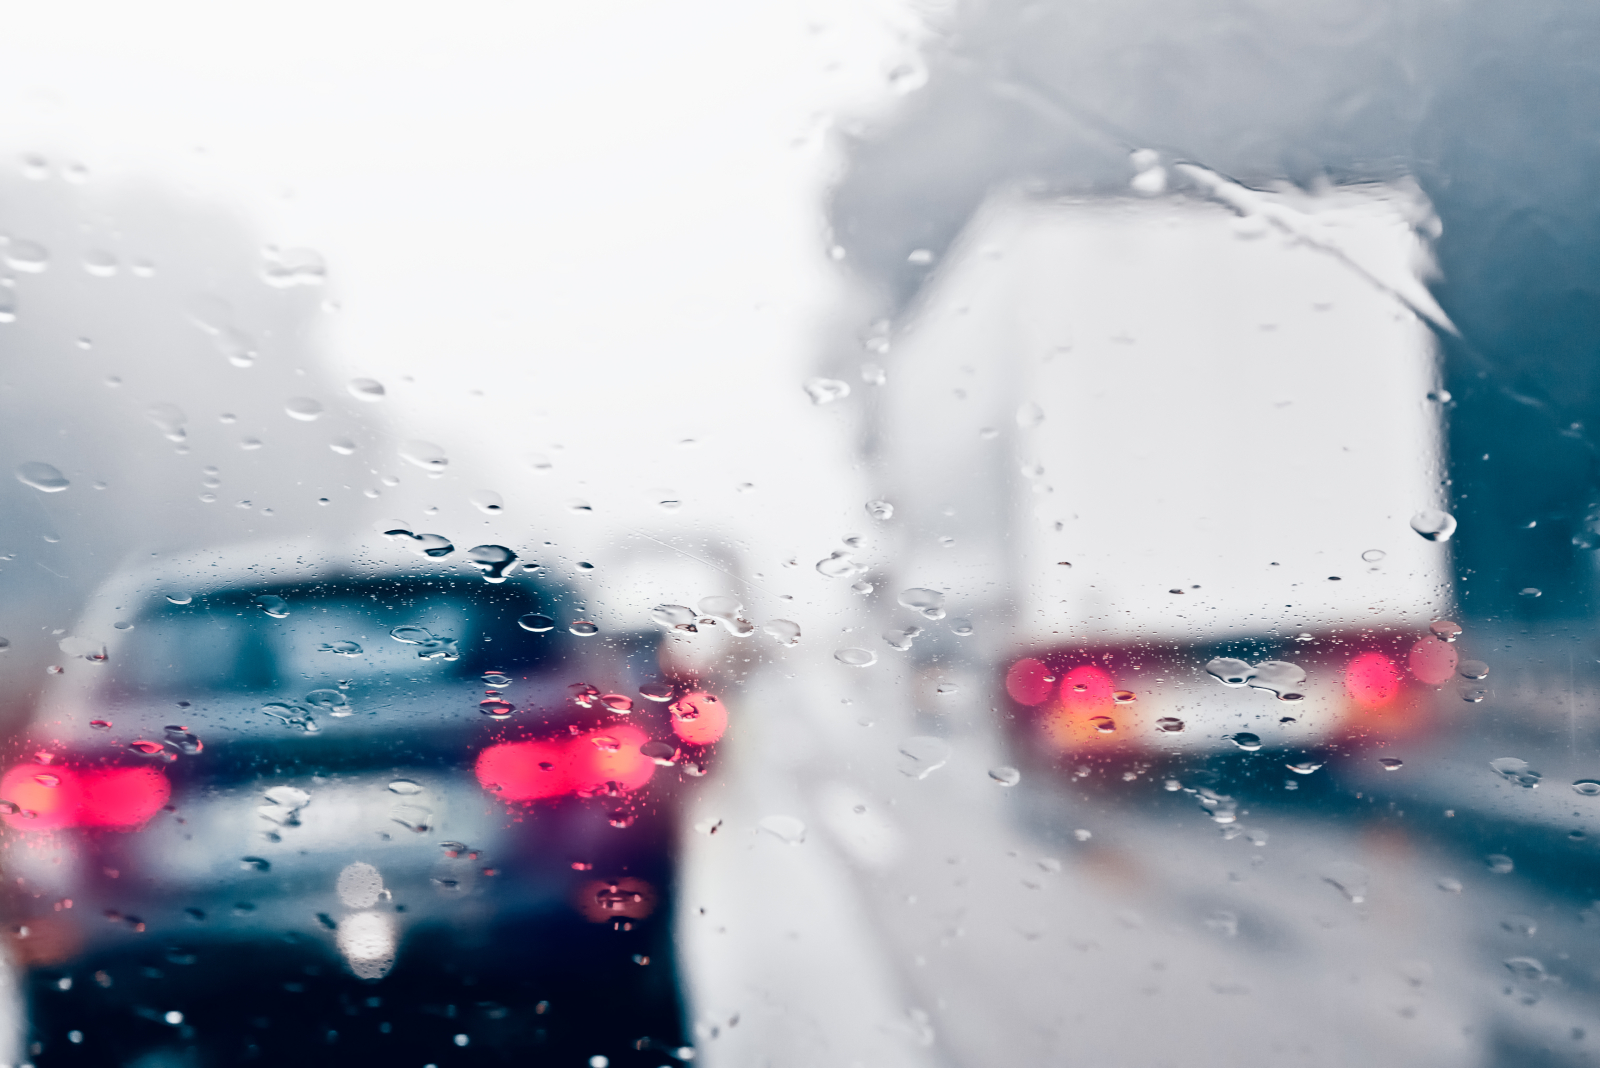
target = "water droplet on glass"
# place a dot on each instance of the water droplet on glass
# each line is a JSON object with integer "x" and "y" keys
{"x": 100, "y": 263}
{"x": 1029, "y": 415}
{"x": 180, "y": 598}
{"x": 1103, "y": 724}
{"x": 1351, "y": 880}
{"x": 656, "y": 691}
{"x": 42, "y": 477}
{"x": 617, "y": 702}
{"x": 1124, "y": 697}
{"x": 675, "y": 617}
{"x": 1587, "y": 787}
{"x": 536, "y": 623}
{"x": 1499, "y": 864}
{"x": 929, "y": 602}
{"x": 273, "y": 605}
{"x": 498, "y": 707}
{"x": 1303, "y": 768}
{"x": 8, "y": 312}
{"x": 826, "y": 390}
{"x": 488, "y": 502}
{"x": 880, "y": 509}
{"x": 184, "y": 740}
{"x": 1434, "y": 525}
{"x": 1391, "y": 763}
{"x": 1516, "y": 771}
{"x": 1005, "y": 775}
{"x": 1372, "y": 556}
{"x": 1448, "y": 885}
{"x": 1445, "y": 630}
{"x": 424, "y": 454}
{"x": 782, "y": 631}
{"x": 1229, "y": 671}
{"x": 366, "y": 389}
{"x": 583, "y": 628}
{"x": 1473, "y": 669}
{"x": 340, "y": 648}
{"x": 305, "y": 409}
{"x": 1280, "y": 678}
{"x": 100, "y": 724}
{"x": 1169, "y": 725}
{"x": 496, "y": 679}
{"x": 1246, "y": 741}
{"x": 922, "y": 756}
{"x": 342, "y": 446}
{"x": 856, "y": 657}
{"x": 492, "y": 561}
{"x": 330, "y": 701}
{"x": 285, "y": 267}
{"x": 837, "y": 565}
{"x": 145, "y": 747}
{"x": 29, "y": 256}
{"x": 725, "y": 610}
{"x": 664, "y": 754}
{"x": 248, "y": 864}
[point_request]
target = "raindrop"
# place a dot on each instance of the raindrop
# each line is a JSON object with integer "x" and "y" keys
{"x": 1124, "y": 697}
{"x": 498, "y": 707}
{"x": 663, "y": 753}
{"x": 330, "y": 701}
{"x": 1005, "y": 775}
{"x": 248, "y": 864}
{"x": 8, "y": 311}
{"x": 342, "y": 446}
{"x": 1169, "y": 725}
{"x": 29, "y": 256}
{"x": 1519, "y": 925}
{"x": 424, "y": 454}
{"x": 1351, "y": 880}
{"x": 1526, "y": 969}
{"x": 1103, "y": 724}
{"x": 583, "y": 628}
{"x": 536, "y": 623}
{"x": 617, "y": 702}
{"x": 1473, "y": 669}
{"x": 922, "y": 756}
{"x": 826, "y": 390}
{"x": 675, "y": 617}
{"x": 273, "y": 605}
{"x": 42, "y": 477}
{"x": 305, "y": 409}
{"x": 1278, "y": 677}
{"x": 837, "y": 565}
{"x": 725, "y": 610}
{"x": 492, "y": 561}
{"x": 285, "y": 267}
{"x": 856, "y": 657}
{"x": 1373, "y": 556}
{"x": 291, "y": 716}
{"x": 863, "y": 587}
{"x": 946, "y": 687}
{"x": 1229, "y": 671}
{"x": 1391, "y": 763}
{"x": 180, "y": 598}
{"x": 169, "y": 419}
{"x": 880, "y": 509}
{"x": 1449, "y": 885}
{"x": 782, "y": 631}
{"x": 496, "y": 679}
{"x": 366, "y": 389}
{"x": 340, "y": 648}
{"x": 929, "y": 602}
{"x": 1530, "y": 591}
{"x": 656, "y": 691}
{"x": 144, "y": 747}
{"x": 1029, "y": 415}
{"x": 488, "y": 502}
{"x": 105, "y": 725}
{"x": 1516, "y": 771}
{"x": 434, "y": 546}
{"x": 1434, "y": 525}
{"x": 1246, "y": 741}
{"x": 1445, "y": 630}
{"x": 1499, "y": 864}
{"x": 784, "y": 828}
{"x": 405, "y": 787}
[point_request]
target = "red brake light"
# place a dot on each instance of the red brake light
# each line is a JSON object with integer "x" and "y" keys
{"x": 1029, "y": 682}
{"x": 1372, "y": 680}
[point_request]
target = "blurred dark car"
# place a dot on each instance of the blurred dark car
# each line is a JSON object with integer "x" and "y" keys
{"x": 309, "y": 815}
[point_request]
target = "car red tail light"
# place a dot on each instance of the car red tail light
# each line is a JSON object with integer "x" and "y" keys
{"x": 584, "y": 764}
{"x": 1029, "y": 682}
{"x": 1372, "y": 680}
{"x": 53, "y": 796}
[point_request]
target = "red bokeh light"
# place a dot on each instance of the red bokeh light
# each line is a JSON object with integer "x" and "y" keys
{"x": 1372, "y": 680}
{"x": 698, "y": 718}
{"x": 1086, "y": 691}
{"x": 1029, "y": 682}
{"x": 59, "y": 796}
{"x": 1433, "y": 661}
{"x": 610, "y": 755}
{"x": 523, "y": 771}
